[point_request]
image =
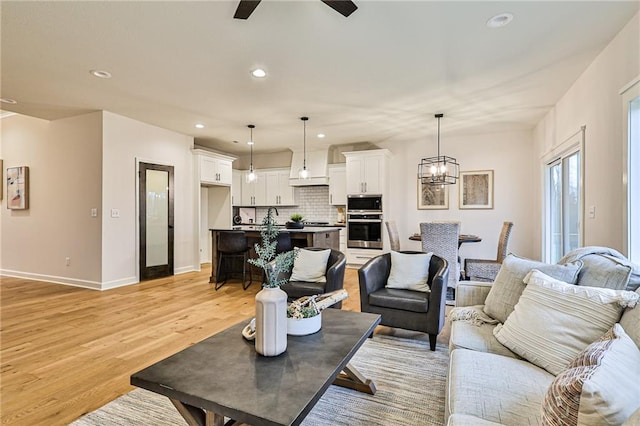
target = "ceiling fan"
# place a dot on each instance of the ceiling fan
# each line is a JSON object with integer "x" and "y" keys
{"x": 343, "y": 7}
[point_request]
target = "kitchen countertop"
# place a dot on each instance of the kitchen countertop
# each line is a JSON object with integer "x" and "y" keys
{"x": 306, "y": 229}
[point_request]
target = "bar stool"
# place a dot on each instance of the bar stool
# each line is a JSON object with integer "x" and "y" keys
{"x": 283, "y": 242}
{"x": 233, "y": 245}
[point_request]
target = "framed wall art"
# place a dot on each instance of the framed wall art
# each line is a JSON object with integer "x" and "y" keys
{"x": 476, "y": 190}
{"x": 18, "y": 188}
{"x": 432, "y": 197}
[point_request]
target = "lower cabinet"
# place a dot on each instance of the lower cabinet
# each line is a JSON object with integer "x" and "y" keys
{"x": 361, "y": 256}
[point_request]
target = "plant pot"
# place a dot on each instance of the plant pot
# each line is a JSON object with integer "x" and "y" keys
{"x": 271, "y": 321}
{"x": 304, "y": 326}
{"x": 294, "y": 225}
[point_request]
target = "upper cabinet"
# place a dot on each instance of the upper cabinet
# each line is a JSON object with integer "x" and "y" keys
{"x": 278, "y": 190}
{"x": 367, "y": 171}
{"x": 236, "y": 188}
{"x": 254, "y": 193}
{"x": 337, "y": 184}
{"x": 214, "y": 169}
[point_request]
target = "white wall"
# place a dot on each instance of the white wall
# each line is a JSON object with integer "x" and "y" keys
{"x": 508, "y": 154}
{"x": 64, "y": 159}
{"x": 126, "y": 141}
{"x": 594, "y": 101}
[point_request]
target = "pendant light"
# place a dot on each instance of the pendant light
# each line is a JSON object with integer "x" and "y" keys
{"x": 251, "y": 176}
{"x": 439, "y": 170}
{"x": 304, "y": 173}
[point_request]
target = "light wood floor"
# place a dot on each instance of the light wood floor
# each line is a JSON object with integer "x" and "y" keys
{"x": 66, "y": 351}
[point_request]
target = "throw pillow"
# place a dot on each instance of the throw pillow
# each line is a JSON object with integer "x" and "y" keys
{"x": 310, "y": 265}
{"x": 508, "y": 285}
{"x": 600, "y": 387}
{"x": 409, "y": 271}
{"x": 553, "y": 321}
{"x": 630, "y": 321}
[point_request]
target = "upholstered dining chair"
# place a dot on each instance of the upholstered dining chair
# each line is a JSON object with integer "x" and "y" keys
{"x": 487, "y": 269}
{"x": 394, "y": 238}
{"x": 441, "y": 238}
{"x": 409, "y": 308}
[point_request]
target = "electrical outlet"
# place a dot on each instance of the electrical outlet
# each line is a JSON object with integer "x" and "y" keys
{"x": 94, "y": 212}
{"x": 592, "y": 212}
{"x": 67, "y": 261}
{"x": 115, "y": 213}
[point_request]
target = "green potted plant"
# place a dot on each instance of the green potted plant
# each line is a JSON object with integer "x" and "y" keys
{"x": 295, "y": 222}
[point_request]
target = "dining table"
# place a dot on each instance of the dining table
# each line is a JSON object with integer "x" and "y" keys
{"x": 462, "y": 238}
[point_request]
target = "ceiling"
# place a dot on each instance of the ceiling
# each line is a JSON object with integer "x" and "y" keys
{"x": 377, "y": 76}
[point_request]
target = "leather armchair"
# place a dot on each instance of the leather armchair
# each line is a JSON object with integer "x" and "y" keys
{"x": 408, "y": 309}
{"x": 335, "y": 279}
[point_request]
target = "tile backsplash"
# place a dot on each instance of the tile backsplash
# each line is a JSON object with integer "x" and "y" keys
{"x": 313, "y": 205}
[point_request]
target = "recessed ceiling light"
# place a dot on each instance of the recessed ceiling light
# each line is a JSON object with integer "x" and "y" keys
{"x": 500, "y": 20}
{"x": 321, "y": 135}
{"x": 259, "y": 73}
{"x": 100, "y": 73}
{"x": 8, "y": 101}
{"x": 250, "y": 143}
{"x": 199, "y": 126}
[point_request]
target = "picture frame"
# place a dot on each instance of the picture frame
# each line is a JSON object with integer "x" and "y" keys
{"x": 432, "y": 197}
{"x": 18, "y": 188}
{"x": 476, "y": 190}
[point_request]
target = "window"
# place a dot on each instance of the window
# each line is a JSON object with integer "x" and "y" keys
{"x": 631, "y": 111}
{"x": 563, "y": 199}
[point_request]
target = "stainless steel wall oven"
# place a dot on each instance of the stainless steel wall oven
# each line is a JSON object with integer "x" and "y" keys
{"x": 364, "y": 230}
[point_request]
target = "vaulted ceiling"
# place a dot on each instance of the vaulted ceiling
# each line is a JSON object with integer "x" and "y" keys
{"x": 376, "y": 76}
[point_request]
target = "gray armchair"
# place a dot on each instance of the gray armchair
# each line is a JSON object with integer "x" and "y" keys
{"x": 334, "y": 275}
{"x": 408, "y": 309}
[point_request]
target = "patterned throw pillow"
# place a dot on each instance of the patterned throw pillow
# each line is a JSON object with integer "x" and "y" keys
{"x": 601, "y": 385}
{"x": 509, "y": 284}
{"x": 553, "y": 321}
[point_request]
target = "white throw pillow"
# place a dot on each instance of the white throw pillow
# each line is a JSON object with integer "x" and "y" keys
{"x": 310, "y": 265}
{"x": 553, "y": 321}
{"x": 409, "y": 271}
{"x": 600, "y": 387}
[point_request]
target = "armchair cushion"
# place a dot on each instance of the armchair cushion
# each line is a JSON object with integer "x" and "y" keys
{"x": 409, "y": 271}
{"x": 310, "y": 265}
{"x": 406, "y": 300}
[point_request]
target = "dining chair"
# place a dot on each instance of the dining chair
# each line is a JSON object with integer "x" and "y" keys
{"x": 487, "y": 269}
{"x": 441, "y": 238}
{"x": 394, "y": 238}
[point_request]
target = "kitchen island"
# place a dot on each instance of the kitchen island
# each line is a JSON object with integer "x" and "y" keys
{"x": 309, "y": 236}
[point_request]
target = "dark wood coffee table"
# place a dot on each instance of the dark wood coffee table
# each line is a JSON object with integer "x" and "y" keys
{"x": 223, "y": 376}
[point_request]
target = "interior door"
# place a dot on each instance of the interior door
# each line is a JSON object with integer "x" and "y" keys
{"x": 156, "y": 220}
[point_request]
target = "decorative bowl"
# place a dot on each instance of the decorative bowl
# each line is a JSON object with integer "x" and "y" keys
{"x": 294, "y": 225}
{"x": 304, "y": 326}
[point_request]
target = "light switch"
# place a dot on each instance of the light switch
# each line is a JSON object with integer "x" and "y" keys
{"x": 94, "y": 212}
{"x": 115, "y": 213}
{"x": 592, "y": 212}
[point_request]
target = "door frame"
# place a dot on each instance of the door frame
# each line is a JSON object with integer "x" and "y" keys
{"x": 164, "y": 270}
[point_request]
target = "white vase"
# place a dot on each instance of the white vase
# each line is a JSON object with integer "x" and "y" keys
{"x": 304, "y": 326}
{"x": 271, "y": 321}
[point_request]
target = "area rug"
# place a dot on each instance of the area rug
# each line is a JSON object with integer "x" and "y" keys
{"x": 410, "y": 382}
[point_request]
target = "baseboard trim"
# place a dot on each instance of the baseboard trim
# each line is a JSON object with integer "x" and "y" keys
{"x": 184, "y": 270}
{"x": 93, "y": 285}
{"x": 119, "y": 283}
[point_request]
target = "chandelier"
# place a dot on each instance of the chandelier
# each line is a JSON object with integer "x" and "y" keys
{"x": 251, "y": 176}
{"x": 304, "y": 172}
{"x": 439, "y": 170}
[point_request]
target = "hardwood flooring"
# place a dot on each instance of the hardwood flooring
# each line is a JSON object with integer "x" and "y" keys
{"x": 65, "y": 351}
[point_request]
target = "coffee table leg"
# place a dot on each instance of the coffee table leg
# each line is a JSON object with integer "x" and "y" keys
{"x": 351, "y": 378}
{"x": 195, "y": 416}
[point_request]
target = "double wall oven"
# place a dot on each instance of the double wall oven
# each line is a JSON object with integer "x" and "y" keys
{"x": 364, "y": 221}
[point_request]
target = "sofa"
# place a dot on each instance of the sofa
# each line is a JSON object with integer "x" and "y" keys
{"x": 511, "y": 358}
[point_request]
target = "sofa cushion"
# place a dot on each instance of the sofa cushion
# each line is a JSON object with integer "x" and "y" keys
{"x": 297, "y": 289}
{"x": 553, "y": 321}
{"x": 495, "y": 388}
{"x": 409, "y": 271}
{"x": 477, "y": 336}
{"x": 600, "y": 270}
{"x": 310, "y": 265}
{"x": 599, "y": 387}
{"x": 508, "y": 285}
{"x": 406, "y": 300}
{"x": 630, "y": 321}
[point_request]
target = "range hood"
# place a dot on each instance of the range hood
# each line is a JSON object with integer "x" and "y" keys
{"x": 317, "y": 164}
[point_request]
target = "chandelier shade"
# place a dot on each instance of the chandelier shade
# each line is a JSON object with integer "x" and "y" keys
{"x": 439, "y": 170}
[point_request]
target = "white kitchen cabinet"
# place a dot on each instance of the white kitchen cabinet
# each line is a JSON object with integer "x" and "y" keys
{"x": 358, "y": 257}
{"x": 214, "y": 169}
{"x": 338, "y": 184}
{"x": 236, "y": 188}
{"x": 254, "y": 193}
{"x": 278, "y": 190}
{"x": 367, "y": 171}
{"x": 343, "y": 240}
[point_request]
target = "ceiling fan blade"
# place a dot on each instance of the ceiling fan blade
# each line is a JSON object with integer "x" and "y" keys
{"x": 343, "y": 7}
{"x": 246, "y": 8}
